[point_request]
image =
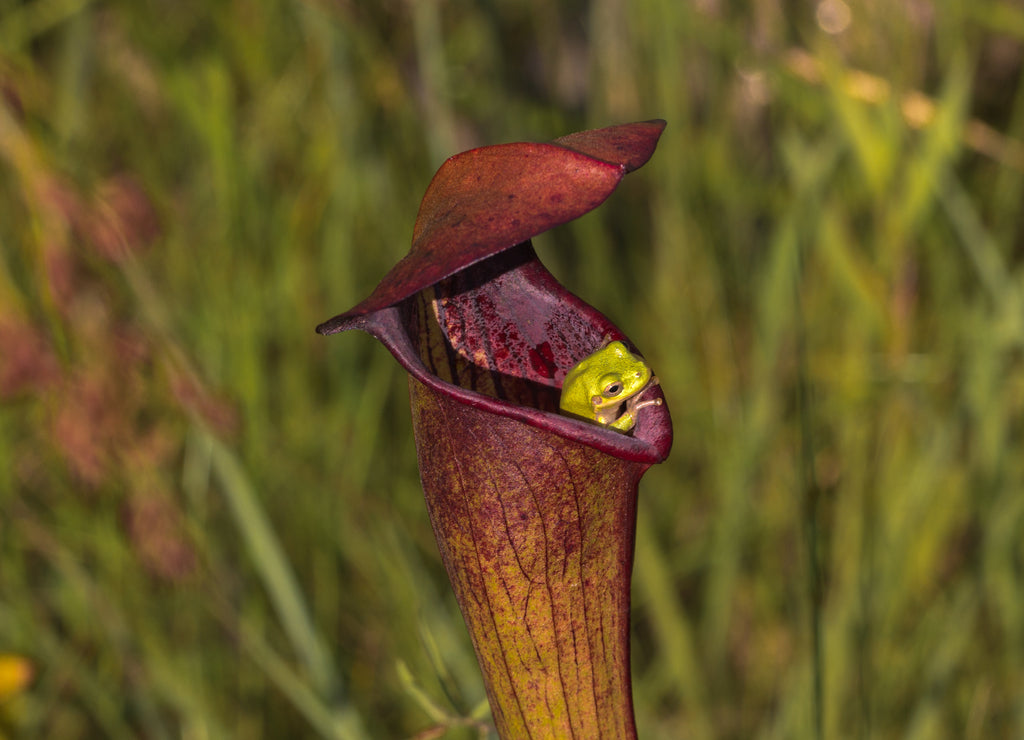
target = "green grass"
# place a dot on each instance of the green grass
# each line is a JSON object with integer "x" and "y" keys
{"x": 210, "y": 517}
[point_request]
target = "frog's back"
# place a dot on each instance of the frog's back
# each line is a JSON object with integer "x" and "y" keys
{"x": 576, "y": 391}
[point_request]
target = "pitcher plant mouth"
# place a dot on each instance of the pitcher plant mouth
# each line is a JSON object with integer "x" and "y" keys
{"x": 500, "y": 335}
{"x": 473, "y": 314}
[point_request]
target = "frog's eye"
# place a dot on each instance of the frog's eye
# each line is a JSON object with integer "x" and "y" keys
{"x": 612, "y": 389}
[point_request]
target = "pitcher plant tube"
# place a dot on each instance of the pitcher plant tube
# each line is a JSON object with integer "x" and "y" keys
{"x": 533, "y": 510}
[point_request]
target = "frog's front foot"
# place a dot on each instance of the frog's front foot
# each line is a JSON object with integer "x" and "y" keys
{"x": 632, "y": 408}
{"x": 635, "y": 403}
{"x": 652, "y": 402}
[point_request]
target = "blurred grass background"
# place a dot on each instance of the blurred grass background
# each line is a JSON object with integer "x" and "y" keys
{"x": 210, "y": 518}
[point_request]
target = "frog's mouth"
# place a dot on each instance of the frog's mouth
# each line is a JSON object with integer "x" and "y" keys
{"x": 501, "y": 335}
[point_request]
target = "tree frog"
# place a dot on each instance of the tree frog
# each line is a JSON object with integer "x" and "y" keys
{"x": 606, "y": 387}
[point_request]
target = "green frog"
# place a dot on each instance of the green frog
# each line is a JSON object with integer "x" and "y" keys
{"x": 606, "y": 387}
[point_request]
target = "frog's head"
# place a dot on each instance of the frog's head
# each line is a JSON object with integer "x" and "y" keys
{"x": 616, "y": 374}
